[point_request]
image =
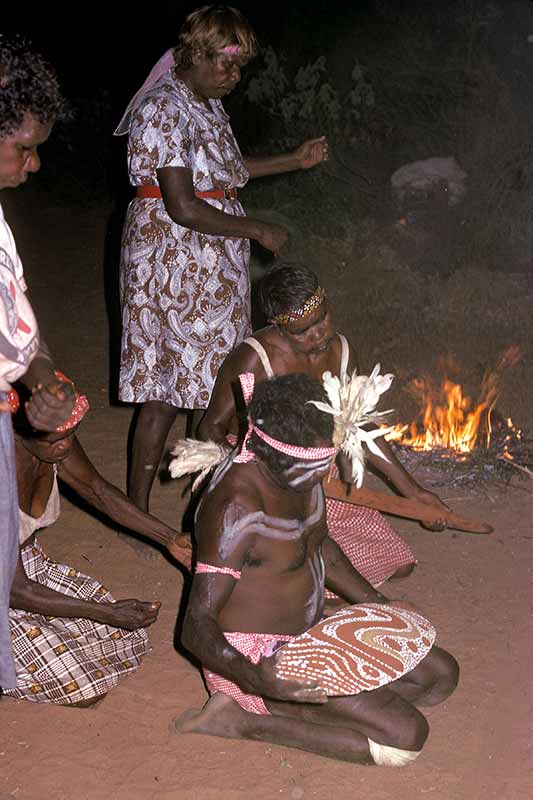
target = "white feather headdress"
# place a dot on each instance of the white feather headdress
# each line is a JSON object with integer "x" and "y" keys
{"x": 352, "y": 402}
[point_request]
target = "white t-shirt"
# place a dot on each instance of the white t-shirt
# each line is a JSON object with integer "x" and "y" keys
{"x": 19, "y": 334}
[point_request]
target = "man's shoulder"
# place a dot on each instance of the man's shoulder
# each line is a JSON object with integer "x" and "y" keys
{"x": 237, "y": 483}
{"x": 235, "y": 492}
{"x": 273, "y": 342}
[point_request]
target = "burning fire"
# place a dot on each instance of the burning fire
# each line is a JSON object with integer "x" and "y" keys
{"x": 448, "y": 419}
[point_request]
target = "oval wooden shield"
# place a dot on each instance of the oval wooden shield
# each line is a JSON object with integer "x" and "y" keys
{"x": 358, "y": 649}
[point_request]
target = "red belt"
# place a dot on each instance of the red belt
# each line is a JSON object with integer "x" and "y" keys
{"x": 217, "y": 194}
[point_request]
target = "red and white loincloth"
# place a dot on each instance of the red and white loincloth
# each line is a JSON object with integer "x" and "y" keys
{"x": 254, "y": 646}
{"x": 367, "y": 540}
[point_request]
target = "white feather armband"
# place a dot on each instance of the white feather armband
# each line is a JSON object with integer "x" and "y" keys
{"x": 191, "y": 455}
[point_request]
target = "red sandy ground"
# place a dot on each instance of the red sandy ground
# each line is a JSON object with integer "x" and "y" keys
{"x": 475, "y": 589}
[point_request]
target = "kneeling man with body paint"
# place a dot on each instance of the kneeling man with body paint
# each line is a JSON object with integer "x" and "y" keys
{"x": 264, "y": 558}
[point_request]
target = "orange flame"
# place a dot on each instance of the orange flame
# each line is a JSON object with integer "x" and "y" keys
{"x": 449, "y": 419}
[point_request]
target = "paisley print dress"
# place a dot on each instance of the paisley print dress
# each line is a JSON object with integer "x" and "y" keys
{"x": 185, "y": 295}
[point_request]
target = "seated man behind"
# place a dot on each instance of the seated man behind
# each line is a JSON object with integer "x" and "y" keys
{"x": 301, "y": 338}
{"x": 264, "y": 557}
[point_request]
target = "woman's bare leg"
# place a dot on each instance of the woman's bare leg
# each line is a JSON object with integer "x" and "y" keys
{"x": 152, "y": 425}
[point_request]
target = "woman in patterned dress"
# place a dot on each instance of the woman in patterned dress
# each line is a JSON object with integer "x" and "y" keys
{"x": 185, "y": 289}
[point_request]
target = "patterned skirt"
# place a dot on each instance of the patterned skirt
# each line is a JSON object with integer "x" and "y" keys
{"x": 65, "y": 661}
{"x": 372, "y": 545}
{"x": 185, "y": 300}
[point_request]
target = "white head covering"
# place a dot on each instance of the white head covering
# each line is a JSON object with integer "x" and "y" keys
{"x": 165, "y": 63}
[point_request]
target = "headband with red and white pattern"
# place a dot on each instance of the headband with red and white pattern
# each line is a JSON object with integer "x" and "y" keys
{"x": 247, "y": 381}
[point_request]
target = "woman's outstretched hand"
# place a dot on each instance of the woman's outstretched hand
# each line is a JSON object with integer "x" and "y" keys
{"x": 130, "y": 614}
{"x": 312, "y": 152}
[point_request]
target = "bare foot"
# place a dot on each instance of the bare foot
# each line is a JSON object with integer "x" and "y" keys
{"x": 221, "y": 716}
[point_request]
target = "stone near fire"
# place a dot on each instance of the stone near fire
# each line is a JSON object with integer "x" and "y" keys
{"x": 421, "y": 179}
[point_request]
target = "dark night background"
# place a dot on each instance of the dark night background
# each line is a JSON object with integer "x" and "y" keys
{"x": 103, "y": 51}
{"x": 104, "y": 45}
{"x": 448, "y": 79}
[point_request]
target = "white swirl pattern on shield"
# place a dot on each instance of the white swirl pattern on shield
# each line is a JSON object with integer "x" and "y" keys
{"x": 360, "y": 648}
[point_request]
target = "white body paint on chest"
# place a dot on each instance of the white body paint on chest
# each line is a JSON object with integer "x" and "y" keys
{"x": 310, "y": 470}
{"x": 318, "y": 571}
{"x": 236, "y": 525}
